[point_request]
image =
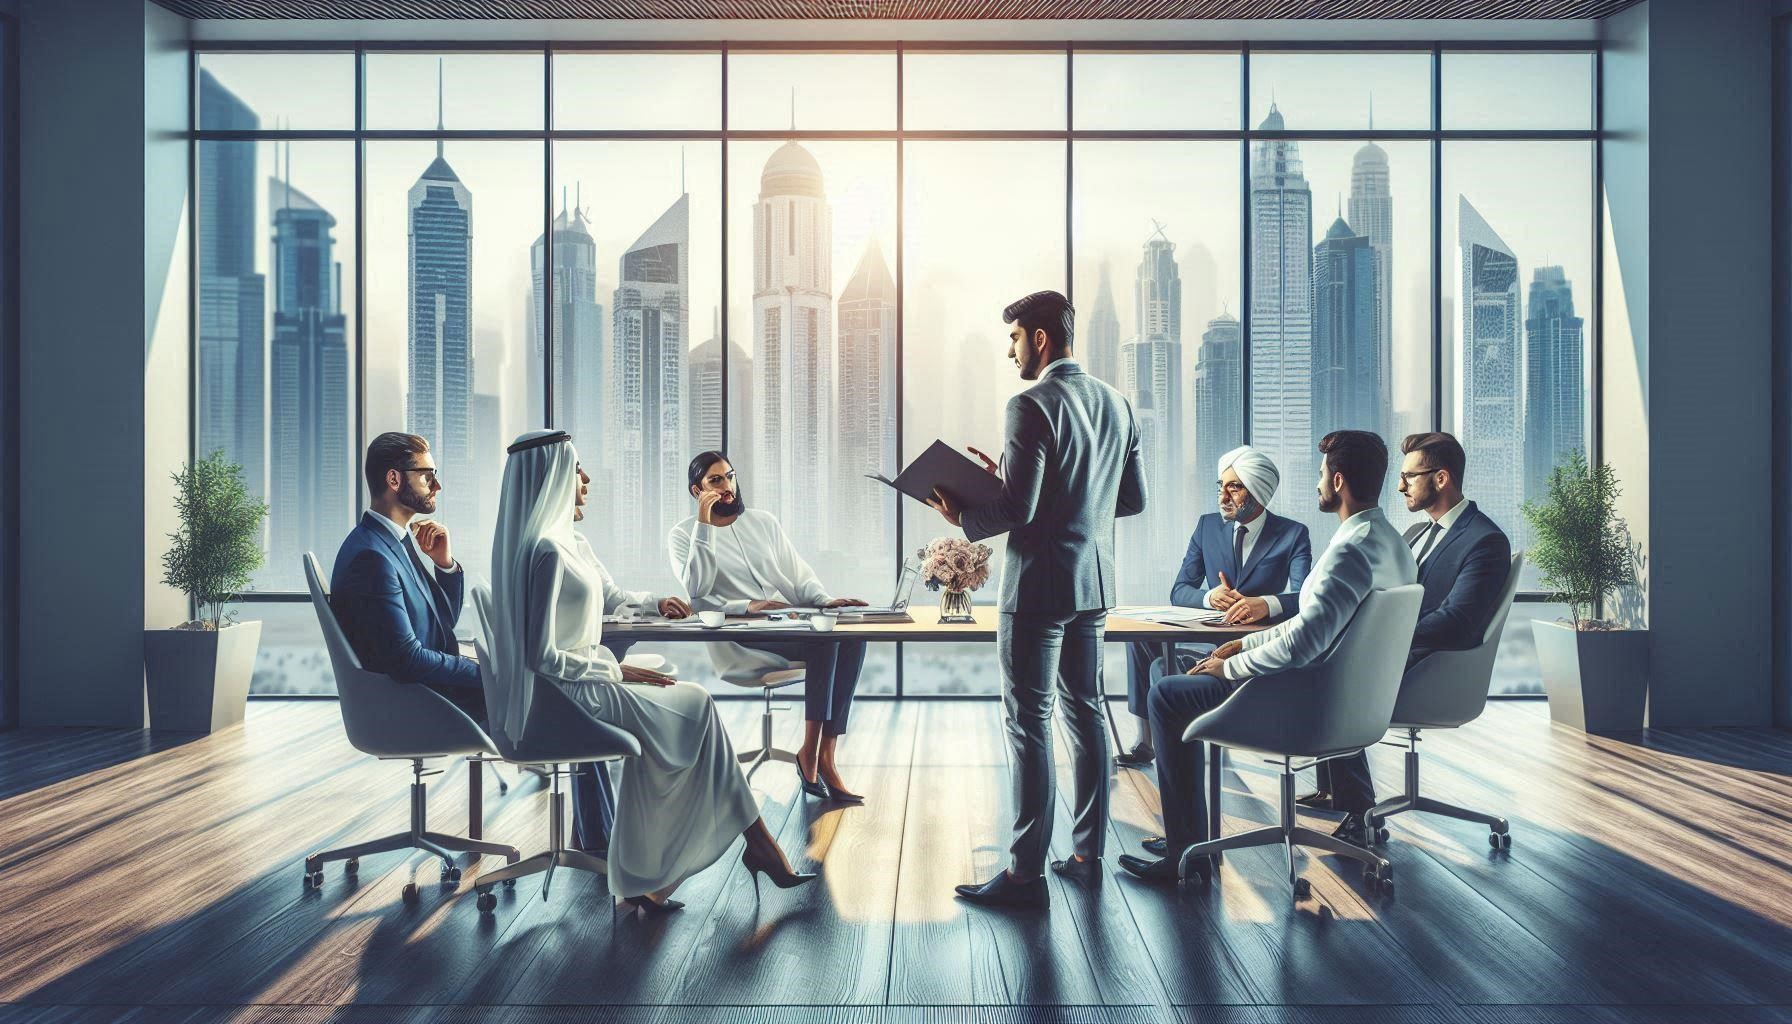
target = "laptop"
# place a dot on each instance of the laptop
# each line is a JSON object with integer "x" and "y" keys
{"x": 897, "y": 608}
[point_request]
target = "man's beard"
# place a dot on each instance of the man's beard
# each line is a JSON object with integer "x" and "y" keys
{"x": 1421, "y": 504}
{"x": 1245, "y": 510}
{"x": 1330, "y": 502}
{"x": 421, "y": 502}
{"x": 730, "y": 509}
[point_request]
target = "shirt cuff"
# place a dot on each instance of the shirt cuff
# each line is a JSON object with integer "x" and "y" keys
{"x": 736, "y": 607}
{"x": 451, "y": 570}
{"x": 1227, "y": 666}
{"x": 1275, "y": 605}
{"x": 1207, "y": 600}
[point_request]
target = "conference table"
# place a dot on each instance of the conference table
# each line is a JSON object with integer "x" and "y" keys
{"x": 926, "y": 628}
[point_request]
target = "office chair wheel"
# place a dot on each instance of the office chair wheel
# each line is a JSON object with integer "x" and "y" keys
{"x": 1379, "y": 837}
{"x": 409, "y": 894}
{"x": 1500, "y": 840}
{"x": 450, "y": 873}
{"x": 510, "y": 883}
{"x": 1379, "y": 879}
{"x": 488, "y": 901}
{"x": 314, "y": 879}
{"x": 351, "y": 865}
{"x": 1303, "y": 889}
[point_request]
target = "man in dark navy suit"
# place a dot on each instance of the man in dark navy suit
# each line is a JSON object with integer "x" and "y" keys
{"x": 1243, "y": 560}
{"x": 1463, "y": 561}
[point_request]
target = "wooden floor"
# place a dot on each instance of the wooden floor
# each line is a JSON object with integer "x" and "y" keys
{"x": 148, "y": 880}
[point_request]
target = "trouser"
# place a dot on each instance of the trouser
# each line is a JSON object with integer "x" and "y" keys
{"x": 1144, "y": 666}
{"x": 1038, "y": 652}
{"x": 830, "y": 677}
{"x": 1181, "y": 777}
{"x": 1347, "y": 780}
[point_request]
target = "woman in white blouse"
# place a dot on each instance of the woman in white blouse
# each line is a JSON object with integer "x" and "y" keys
{"x": 683, "y": 801}
{"x": 738, "y": 560}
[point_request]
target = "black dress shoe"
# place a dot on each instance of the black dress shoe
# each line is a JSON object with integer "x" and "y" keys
{"x": 1157, "y": 846}
{"x": 1085, "y": 871}
{"x": 1139, "y": 756}
{"x": 1004, "y": 891}
{"x": 1165, "y": 870}
{"x": 1315, "y": 801}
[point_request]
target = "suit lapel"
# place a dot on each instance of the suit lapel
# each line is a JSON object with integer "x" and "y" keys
{"x": 1269, "y": 535}
{"x": 430, "y": 589}
{"x": 1453, "y": 534}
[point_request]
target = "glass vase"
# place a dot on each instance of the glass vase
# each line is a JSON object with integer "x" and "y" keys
{"x": 955, "y": 606}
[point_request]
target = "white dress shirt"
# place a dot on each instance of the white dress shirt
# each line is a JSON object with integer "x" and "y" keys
{"x": 400, "y": 533}
{"x": 1366, "y": 553}
{"x": 1253, "y": 531}
{"x": 726, "y": 568}
{"x": 1444, "y": 522}
{"x": 614, "y": 597}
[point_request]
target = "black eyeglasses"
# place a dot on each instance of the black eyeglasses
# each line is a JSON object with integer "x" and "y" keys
{"x": 1230, "y": 488}
{"x": 429, "y": 474}
{"x": 1416, "y": 474}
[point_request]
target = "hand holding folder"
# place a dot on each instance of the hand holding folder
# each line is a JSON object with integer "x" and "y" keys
{"x": 943, "y": 467}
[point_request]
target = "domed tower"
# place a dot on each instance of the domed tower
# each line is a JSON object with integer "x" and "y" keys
{"x": 793, "y": 333}
{"x": 1372, "y": 215}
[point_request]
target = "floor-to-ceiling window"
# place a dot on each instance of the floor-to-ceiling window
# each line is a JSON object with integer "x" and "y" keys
{"x": 799, "y": 254}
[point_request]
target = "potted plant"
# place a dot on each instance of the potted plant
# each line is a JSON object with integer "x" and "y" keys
{"x": 955, "y": 567}
{"x": 1596, "y": 675}
{"x": 198, "y": 672}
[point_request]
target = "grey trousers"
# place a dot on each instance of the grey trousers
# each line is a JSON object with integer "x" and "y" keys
{"x": 1043, "y": 656}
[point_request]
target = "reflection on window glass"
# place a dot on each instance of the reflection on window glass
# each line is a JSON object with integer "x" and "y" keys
{"x": 811, "y": 91}
{"x": 1341, "y": 90}
{"x": 456, "y": 91}
{"x": 451, "y": 325}
{"x": 256, "y": 91}
{"x": 970, "y": 250}
{"x": 1515, "y": 668}
{"x": 1157, "y": 284}
{"x": 637, "y": 254}
{"x": 292, "y": 660}
{"x": 1540, "y": 91}
{"x": 964, "y": 91}
{"x": 813, "y": 293}
{"x": 275, "y": 371}
{"x": 1156, "y": 91}
{"x": 645, "y": 91}
{"x": 1517, "y": 241}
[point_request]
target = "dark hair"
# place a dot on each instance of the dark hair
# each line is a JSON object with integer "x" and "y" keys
{"x": 391, "y": 450}
{"x": 700, "y": 465}
{"x": 1044, "y": 311}
{"x": 1441, "y": 451}
{"x": 1362, "y": 456}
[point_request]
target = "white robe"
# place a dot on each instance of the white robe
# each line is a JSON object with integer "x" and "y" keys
{"x": 724, "y": 568}
{"x": 683, "y": 802}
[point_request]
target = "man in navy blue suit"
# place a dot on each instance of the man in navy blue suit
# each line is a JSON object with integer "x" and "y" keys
{"x": 1463, "y": 561}
{"x": 1243, "y": 559}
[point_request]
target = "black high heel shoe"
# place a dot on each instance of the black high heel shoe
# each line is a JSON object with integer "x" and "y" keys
{"x": 780, "y": 873}
{"x": 816, "y": 788}
{"x": 647, "y": 906}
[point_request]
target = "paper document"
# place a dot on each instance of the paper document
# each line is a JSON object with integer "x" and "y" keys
{"x": 1167, "y": 614}
{"x": 944, "y": 467}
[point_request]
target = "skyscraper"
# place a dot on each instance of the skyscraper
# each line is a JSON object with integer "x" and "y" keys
{"x": 578, "y": 329}
{"x": 439, "y": 397}
{"x": 1219, "y": 399}
{"x": 311, "y": 469}
{"x": 1282, "y": 314}
{"x": 1151, "y": 380}
{"x": 1489, "y": 385}
{"x": 1372, "y": 216}
{"x": 232, "y": 296}
{"x": 644, "y": 439}
{"x": 1346, "y": 346}
{"x": 1101, "y": 342}
{"x": 703, "y": 395}
{"x": 793, "y": 334}
{"x": 862, "y": 508}
{"x": 1555, "y": 361}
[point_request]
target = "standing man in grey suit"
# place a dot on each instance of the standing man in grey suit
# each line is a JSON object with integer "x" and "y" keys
{"x": 1072, "y": 466}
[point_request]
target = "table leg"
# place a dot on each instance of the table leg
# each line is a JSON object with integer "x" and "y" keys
{"x": 475, "y": 798}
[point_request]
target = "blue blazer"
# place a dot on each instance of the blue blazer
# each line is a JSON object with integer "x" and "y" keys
{"x": 1463, "y": 579}
{"x": 399, "y": 622}
{"x": 1278, "y": 563}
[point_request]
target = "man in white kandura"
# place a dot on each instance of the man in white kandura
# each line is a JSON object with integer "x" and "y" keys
{"x": 683, "y": 801}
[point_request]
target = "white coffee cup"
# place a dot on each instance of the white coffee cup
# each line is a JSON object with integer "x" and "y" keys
{"x": 823, "y": 622}
{"x": 712, "y": 619}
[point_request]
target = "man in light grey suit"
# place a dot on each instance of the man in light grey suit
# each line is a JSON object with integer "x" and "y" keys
{"x": 1365, "y": 554}
{"x": 1071, "y": 463}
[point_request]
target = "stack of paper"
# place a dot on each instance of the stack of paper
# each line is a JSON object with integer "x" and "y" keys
{"x": 1165, "y": 614}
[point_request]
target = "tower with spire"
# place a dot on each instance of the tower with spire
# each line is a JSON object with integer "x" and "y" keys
{"x": 439, "y": 391}
{"x": 577, "y": 341}
{"x": 1281, "y": 271}
{"x": 864, "y": 509}
{"x": 1371, "y": 215}
{"x": 1100, "y": 340}
{"x": 1347, "y": 364}
{"x": 1151, "y": 380}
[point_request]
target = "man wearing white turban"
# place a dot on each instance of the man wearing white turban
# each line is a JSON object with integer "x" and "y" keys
{"x": 1243, "y": 559}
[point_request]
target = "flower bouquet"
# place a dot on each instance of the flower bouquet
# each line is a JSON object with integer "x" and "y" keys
{"x": 955, "y": 567}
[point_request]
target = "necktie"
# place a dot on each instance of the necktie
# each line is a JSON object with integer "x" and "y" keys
{"x": 425, "y": 572}
{"x": 1431, "y": 533}
{"x": 1238, "y": 549}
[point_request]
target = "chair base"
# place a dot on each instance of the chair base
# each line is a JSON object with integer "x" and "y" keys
{"x": 767, "y": 750}
{"x": 419, "y": 837}
{"x": 1378, "y": 873}
{"x": 557, "y": 855}
{"x": 1499, "y": 832}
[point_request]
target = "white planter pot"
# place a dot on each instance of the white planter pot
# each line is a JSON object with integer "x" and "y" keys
{"x": 1597, "y": 680}
{"x": 199, "y": 678}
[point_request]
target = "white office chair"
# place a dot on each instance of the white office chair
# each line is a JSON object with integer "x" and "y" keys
{"x": 766, "y": 681}
{"x": 1333, "y": 707}
{"x": 1447, "y": 689}
{"x": 392, "y": 721}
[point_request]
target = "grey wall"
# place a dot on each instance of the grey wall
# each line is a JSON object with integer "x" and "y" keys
{"x": 1782, "y": 364}
{"x": 1687, "y": 182}
{"x": 100, "y": 236}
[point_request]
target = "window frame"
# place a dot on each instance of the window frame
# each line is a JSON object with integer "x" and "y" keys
{"x": 1244, "y": 135}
